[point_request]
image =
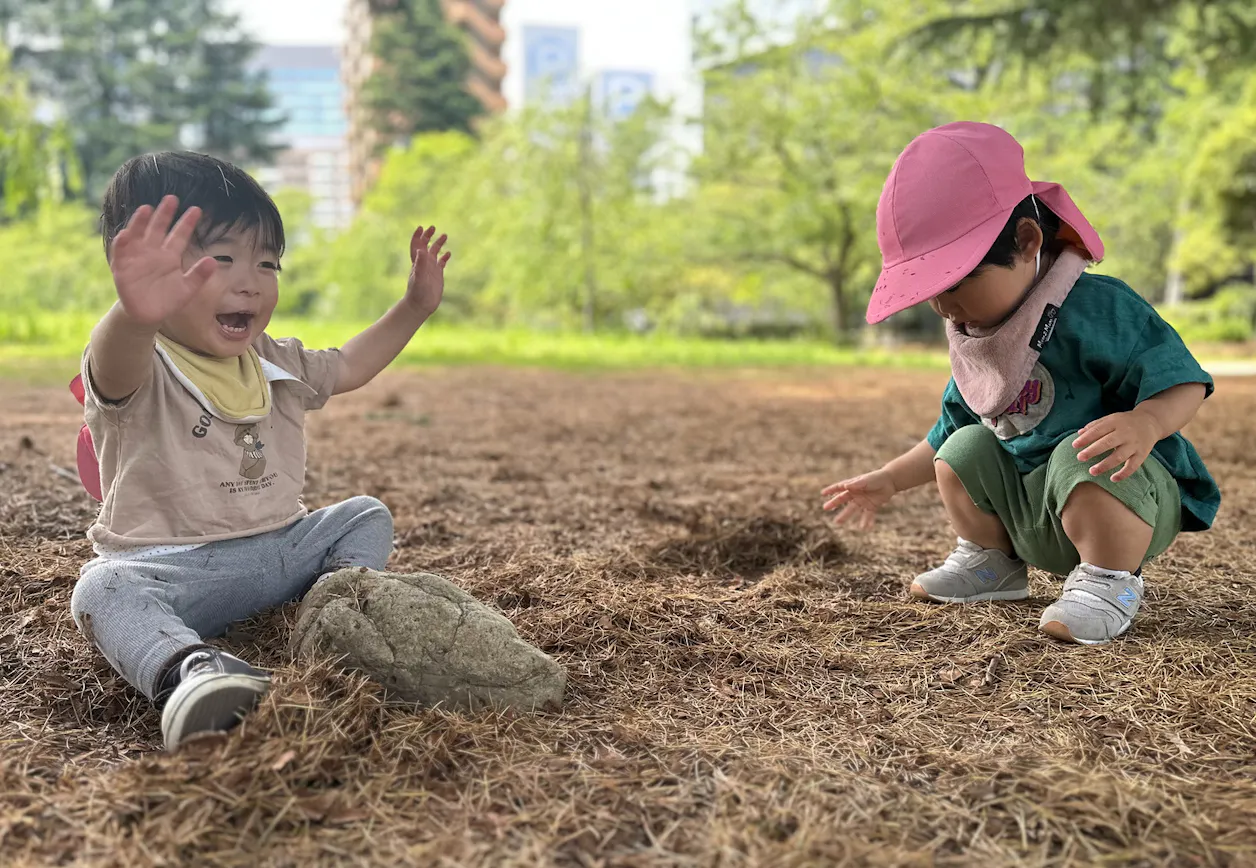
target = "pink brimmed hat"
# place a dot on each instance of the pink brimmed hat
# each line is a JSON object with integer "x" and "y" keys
{"x": 949, "y": 195}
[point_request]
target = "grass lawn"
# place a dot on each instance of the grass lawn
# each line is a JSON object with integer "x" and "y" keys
{"x": 45, "y": 349}
{"x": 54, "y": 354}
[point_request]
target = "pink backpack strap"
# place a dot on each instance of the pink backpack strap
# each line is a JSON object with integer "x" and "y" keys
{"x": 88, "y": 465}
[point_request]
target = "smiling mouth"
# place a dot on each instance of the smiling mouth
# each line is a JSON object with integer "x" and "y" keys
{"x": 235, "y": 324}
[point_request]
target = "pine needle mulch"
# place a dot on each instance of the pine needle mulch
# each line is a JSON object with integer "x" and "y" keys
{"x": 747, "y": 686}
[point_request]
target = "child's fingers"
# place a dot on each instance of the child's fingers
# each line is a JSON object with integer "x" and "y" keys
{"x": 868, "y": 520}
{"x": 120, "y": 242}
{"x": 196, "y": 276}
{"x": 1110, "y": 441}
{"x": 444, "y": 259}
{"x": 842, "y": 497}
{"x": 1091, "y": 432}
{"x": 1112, "y": 462}
{"x": 159, "y": 225}
{"x": 139, "y": 220}
{"x": 440, "y": 242}
{"x": 416, "y": 242}
{"x": 1128, "y": 469}
{"x": 847, "y": 514}
{"x": 845, "y": 485}
{"x": 179, "y": 237}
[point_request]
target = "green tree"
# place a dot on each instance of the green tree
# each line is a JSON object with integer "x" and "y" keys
{"x": 140, "y": 75}
{"x": 36, "y": 159}
{"x": 420, "y": 83}
{"x": 799, "y": 141}
{"x": 526, "y": 251}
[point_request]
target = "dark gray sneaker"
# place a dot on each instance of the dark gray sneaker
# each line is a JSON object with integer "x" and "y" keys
{"x": 214, "y": 692}
{"x": 1096, "y": 606}
{"x": 972, "y": 574}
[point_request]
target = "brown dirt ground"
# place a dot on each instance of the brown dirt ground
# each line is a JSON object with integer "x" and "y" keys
{"x": 747, "y": 686}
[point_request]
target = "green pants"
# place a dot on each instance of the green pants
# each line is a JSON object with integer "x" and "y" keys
{"x": 1029, "y": 505}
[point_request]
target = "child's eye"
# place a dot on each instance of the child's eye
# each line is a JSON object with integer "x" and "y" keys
{"x": 273, "y": 266}
{"x": 224, "y": 259}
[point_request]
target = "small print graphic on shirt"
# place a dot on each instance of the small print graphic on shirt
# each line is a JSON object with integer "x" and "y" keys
{"x": 253, "y": 464}
{"x": 1033, "y": 405}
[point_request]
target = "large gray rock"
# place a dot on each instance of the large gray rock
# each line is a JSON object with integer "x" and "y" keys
{"x": 426, "y": 641}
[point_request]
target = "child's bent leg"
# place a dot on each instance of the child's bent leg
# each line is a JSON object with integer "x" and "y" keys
{"x": 982, "y": 492}
{"x": 1105, "y": 532}
{"x": 354, "y": 533}
{"x": 969, "y": 520}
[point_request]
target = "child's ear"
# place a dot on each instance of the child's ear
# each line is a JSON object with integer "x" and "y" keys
{"x": 1029, "y": 238}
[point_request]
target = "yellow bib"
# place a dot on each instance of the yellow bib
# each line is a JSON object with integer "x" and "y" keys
{"x": 235, "y": 386}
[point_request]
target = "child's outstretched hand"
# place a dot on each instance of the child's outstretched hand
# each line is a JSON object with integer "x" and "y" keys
{"x": 1130, "y": 436}
{"x": 147, "y": 263}
{"x": 861, "y": 496}
{"x": 427, "y": 272}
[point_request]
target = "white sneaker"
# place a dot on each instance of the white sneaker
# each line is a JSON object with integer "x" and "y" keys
{"x": 214, "y": 693}
{"x": 1096, "y": 606}
{"x": 972, "y": 574}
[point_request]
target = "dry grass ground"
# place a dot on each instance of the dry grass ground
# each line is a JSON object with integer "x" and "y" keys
{"x": 747, "y": 686}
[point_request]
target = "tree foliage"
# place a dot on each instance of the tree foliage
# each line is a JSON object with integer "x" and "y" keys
{"x": 37, "y": 163}
{"x": 561, "y": 218}
{"x": 132, "y": 76}
{"x": 420, "y": 82}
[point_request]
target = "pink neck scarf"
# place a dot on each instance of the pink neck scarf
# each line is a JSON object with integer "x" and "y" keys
{"x": 990, "y": 368}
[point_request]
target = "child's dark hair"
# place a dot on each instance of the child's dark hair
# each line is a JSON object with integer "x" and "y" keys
{"x": 228, "y": 197}
{"x": 1007, "y": 245}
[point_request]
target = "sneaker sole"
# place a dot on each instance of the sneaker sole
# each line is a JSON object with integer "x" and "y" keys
{"x": 1059, "y": 630}
{"x": 992, "y": 596}
{"x": 216, "y": 705}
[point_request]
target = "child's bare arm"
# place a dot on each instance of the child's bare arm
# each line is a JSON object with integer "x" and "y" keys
{"x": 1173, "y": 408}
{"x": 365, "y": 355}
{"x": 146, "y": 259}
{"x": 1129, "y": 437}
{"x": 121, "y": 354}
{"x": 913, "y": 468}
{"x": 864, "y": 495}
{"x": 374, "y": 349}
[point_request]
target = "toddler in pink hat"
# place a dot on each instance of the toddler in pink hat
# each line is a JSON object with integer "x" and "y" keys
{"x": 1058, "y": 445}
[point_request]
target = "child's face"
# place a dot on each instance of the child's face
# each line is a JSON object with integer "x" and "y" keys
{"x": 236, "y": 304}
{"x": 990, "y": 295}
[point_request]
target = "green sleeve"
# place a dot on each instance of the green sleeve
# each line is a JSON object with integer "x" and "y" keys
{"x": 955, "y": 415}
{"x": 1158, "y": 360}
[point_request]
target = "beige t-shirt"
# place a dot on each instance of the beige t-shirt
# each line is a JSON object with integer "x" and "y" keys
{"x": 173, "y": 472}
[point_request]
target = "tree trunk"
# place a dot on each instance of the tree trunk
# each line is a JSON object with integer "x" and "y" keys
{"x": 586, "y": 214}
{"x": 837, "y": 283}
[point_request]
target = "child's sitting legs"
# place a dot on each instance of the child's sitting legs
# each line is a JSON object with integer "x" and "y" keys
{"x": 147, "y": 616}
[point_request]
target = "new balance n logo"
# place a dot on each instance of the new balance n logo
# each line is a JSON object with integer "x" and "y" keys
{"x": 1127, "y": 597}
{"x": 987, "y": 576}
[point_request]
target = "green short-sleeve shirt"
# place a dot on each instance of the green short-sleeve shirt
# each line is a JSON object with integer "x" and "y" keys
{"x": 1110, "y": 352}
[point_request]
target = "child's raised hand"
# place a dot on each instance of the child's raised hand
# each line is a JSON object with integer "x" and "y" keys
{"x": 426, "y": 287}
{"x": 147, "y": 262}
{"x": 861, "y": 496}
{"x": 1130, "y": 436}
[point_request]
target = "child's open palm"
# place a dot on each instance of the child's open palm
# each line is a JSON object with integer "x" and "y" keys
{"x": 426, "y": 286}
{"x": 861, "y": 496}
{"x": 147, "y": 262}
